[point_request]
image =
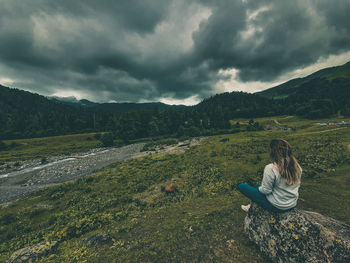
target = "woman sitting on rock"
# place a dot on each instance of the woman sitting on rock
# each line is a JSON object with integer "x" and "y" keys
{"x": 278, "y": 191}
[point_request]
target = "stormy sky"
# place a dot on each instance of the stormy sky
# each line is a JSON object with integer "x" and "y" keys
{"x": 174, "y": 51}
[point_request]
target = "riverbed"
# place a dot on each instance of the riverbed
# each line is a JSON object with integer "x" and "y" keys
{"x": 34, "y": 175}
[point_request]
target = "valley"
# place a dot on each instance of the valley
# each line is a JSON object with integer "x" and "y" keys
{"x": 201, "y": 220}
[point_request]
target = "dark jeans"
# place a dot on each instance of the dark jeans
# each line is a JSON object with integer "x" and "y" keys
{"x": 252, "y": 192}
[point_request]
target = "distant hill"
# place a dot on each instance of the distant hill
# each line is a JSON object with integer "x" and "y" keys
{"x": 325, "y": 77}
{"x": 72, "y": 101}
{"x": 236, "y": 104}
{"x": 319, "y": 95}
{"x": 24, "y": 115}
{"x": 115, "y": 107}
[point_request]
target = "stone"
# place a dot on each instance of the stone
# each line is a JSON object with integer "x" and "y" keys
{"x": 223, "y": 140}
{"x": 298, "y": 236}
{"x": 97, "y": 240}
{"x": 29, "y": 254}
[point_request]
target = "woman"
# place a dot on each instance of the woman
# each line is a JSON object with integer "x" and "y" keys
{"x": 278, "y": 191}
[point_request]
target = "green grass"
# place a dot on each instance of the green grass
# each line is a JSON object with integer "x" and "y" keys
{"x": 290, "y": 121}
{"x": 329, "y": 194}
{"x": 341, "y": 72}
{"x": 25, "y": 149}
{"x": 153, "y": 145}
{"x": 202, "y": 222}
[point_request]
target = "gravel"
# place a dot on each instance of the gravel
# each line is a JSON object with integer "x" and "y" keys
{"x": 33, "y": 175}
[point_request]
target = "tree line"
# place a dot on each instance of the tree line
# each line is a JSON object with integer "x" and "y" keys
{"x": 27, "y": 115}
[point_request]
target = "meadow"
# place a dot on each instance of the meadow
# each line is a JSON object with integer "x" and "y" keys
{"x": 35, "y": 148}
{"x": 201, "y": 221}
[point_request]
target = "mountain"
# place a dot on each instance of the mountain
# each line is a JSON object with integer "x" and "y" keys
{"x": 115, "y": 107}
{"x": 131, "y": 106}
{"x": 236, "y": 104}
{"x": 325, "y": 77}
{"x": 72, "y": 101}
{"x": 26, "y": 115}
{"x": 319, "y": 95}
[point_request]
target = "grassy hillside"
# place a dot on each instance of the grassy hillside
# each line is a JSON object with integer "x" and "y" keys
{"x": 202, "y": 222}
{"x": 295, "y": 85}
{"x": 340, "y": 72}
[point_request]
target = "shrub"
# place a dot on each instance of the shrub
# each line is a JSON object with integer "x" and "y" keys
{"x": 14, "y": 144}
{"x": 97, "y": 136}
{"x": 7, "y": 219}
{"x": 107, "y": 139}
{"x": 3, "y": 146}
{"x": 255, "y": 126}
{"x": 151, "y": 146}
{"x": 119, "y": 143}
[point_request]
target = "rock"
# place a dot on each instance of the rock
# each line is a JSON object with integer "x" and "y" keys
{"x": 97, "y": 240}
{"x": 298, "y": 236}
{"x": 29, "y": 254}
{"x": 223, "y": 140}
{"x": 171, "y": 189}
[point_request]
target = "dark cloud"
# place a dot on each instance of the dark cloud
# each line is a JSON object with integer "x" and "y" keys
{"x": 264, "y": 39}
{"x": 147, "y": 50}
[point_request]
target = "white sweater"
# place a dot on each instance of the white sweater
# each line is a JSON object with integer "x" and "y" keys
{"x": 277, "y": 191}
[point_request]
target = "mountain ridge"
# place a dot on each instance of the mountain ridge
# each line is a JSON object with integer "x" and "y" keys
{"x": 114, "y": 107}
{"x": 27, "y": 115}
{"x": 292, "y": 86}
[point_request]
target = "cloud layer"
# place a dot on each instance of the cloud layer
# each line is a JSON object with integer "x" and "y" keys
{"x": 163, "y": 50}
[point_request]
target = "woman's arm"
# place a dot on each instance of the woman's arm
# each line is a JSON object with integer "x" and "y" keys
{"x": 268, "y": 180}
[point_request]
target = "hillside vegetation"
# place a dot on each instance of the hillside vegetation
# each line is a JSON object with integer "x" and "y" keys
{"x": 23, "y": 114}
{"x": 323, "y": 77}
{"x": 115, "y": 107}
{"x": 201, "y": 221}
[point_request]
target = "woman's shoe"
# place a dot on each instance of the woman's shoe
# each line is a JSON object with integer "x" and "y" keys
{"x": 245, "y": 208}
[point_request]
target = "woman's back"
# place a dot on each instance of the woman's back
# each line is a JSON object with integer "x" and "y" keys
{"x": 278, "y": 192}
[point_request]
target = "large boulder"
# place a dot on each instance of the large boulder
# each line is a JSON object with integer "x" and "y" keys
{"x": 29, "y": 254}
{"x": 298, "y": 236}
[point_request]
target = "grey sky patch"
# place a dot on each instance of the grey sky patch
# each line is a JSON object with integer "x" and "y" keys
{"x": 149, "y": 50}
{"x": 267, "y": 40}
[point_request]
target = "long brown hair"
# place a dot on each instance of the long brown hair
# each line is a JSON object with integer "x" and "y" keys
{"x": 288, "y": 167}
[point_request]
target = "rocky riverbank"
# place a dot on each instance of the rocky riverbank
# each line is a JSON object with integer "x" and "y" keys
{"x": 33, "y": 175}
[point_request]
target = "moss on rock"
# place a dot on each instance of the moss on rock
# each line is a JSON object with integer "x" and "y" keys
{"x": 298, "y": 236}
